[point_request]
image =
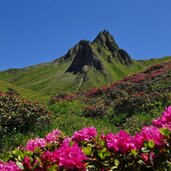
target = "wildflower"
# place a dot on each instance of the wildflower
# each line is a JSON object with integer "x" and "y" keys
{"x": 35, "y": 143}
{"x": 71, "y": 157}
{"x": 85, "y": 134}
{"x": 9, "y": 166}
{"x": 53, "y": 136}
{"x": 121, "y": 142}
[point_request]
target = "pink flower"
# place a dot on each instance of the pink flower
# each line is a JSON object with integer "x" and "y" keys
{"x": 144, "y": 157}
{"x": 67, "y": 140}
{"x": 126, "y": 142}
{"x": 9, "y": 166}
{"x": 112, "y": 142}
{"x": 71, "y": 157}
{"x": 53, "y": 136}
{"x": 151, "y": 133}
{"x": 85, "y": 134}
{"x": 121, "y": 142}
{"x": 48, "y": 159}
{"x": 29, "y": 164}
{"x": 138, "y": 140}
{"x": 148, "y": 156}
{"x": 35, "y": 143}
{"x": 165, "y": 120}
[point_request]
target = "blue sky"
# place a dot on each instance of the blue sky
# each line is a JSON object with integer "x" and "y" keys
{"x": 35, "y": 31}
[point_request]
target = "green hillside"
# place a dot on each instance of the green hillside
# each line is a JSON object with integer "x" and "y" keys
{"x": 88, "y": 64}
{"x": 25, "y": 93}
{"x": 133, "y": 101}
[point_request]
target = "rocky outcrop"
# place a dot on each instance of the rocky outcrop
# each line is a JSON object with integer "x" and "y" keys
{"x": 71, "y": 52}
{"x": 84, "y": 56}
{"x": 124, "y": 57}
{"x": 106, "y": 40}
{"x": 87, "y": 53}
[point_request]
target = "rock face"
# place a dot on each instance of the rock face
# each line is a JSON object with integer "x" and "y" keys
{"x": 84, "y": 56}
{"x": 106, "y": 40}
{"x": 71, "y": 52}
{"x": 87, "y": 53}
{"x": 124, "y": 57}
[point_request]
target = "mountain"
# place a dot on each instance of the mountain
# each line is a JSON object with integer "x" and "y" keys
{"x": 129, "y": 103}
{"x": 86, "y": 65}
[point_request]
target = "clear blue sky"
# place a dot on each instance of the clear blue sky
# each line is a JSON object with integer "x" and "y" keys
{"x": 35, "y": 31}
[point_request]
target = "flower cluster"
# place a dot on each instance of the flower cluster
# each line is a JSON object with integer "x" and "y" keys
{"x": 35, "y": 143}
{"x": 9, "y": 166}
{"x": 85, "y": 134}
{"x": 121, "y": 142}
{"x": 62, "y": 97}
{"x": 138, "y": 77}
{"x": 68, "y": 157}
{"x": 149, "y": 133}
{"x": 165, "y": 120}
{"x": 71, "y": 157}
{"x": 53, "y": 136}
{"x": 42, "y": 142}
{"x": 150, "y": 148}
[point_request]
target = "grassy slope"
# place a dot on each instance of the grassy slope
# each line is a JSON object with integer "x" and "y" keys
{"x": 42, "y": 78}
{"x": 25, "y": 93}
{"x": 51, "y": 78}
{"x": 67, "y": 114}
{"x": 138, "y": 101}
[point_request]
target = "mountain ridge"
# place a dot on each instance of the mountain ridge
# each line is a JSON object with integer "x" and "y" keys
{"x": 86, "y": 65}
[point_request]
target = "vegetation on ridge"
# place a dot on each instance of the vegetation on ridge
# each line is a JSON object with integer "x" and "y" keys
{"x": 99, "y": 63}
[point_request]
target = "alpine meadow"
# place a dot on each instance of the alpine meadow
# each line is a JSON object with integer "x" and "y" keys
{"x": 95, "y": 108}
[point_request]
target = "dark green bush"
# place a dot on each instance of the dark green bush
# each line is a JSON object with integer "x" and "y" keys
{"x": 21, "y": 115}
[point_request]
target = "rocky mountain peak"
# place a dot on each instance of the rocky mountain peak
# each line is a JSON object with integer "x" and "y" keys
{"x": 85, "y": 56}
{"x": 87, "y": 53}
{"x": 105, "y": 39}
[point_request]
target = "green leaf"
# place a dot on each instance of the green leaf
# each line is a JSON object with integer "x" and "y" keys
{"x": 165, "y": 132}
{"x": 144, "y": 149}
{"x": 87, "y": 150}
{"x": 149, "y": 144}
{"x": 102, "y": 154}
{"x": 102, "y": 143}
{"x": 116, "y": 162}
{"x": 20, "y": 165}
{"x": 53, "y": 168}
{"x": 134, "y": 152}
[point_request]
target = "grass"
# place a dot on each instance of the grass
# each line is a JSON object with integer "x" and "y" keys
{"x": 40, "y": 82}
{"x": 24, "y": 93}
{"x": 51, "y": 78}
{"x": 67, "y": 118}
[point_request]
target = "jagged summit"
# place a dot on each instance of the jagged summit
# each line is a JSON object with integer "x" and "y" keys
{"x": 105, "y": 39}
{"x": 88, "y": 64}
{"x": 90, "y": 53}
{"x": 84, "y": 56}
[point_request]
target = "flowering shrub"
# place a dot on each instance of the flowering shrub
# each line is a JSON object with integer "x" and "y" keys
{"x": 17, "y": 114}
{"x": 71, "y": 157}
{"x": 62, "y": 97}
{"x": 121, "y": 142}
{"x": 9, "y": 166}
{"x": 165, "y": 121}
{"x": 36, "y": 143}
{"x": 95, "y": 110}
{"x": 53, "y": 136}
{"x": 142, "y": 93}
{"x": 150, "y": 149}
{"x": 84, "y": 135}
